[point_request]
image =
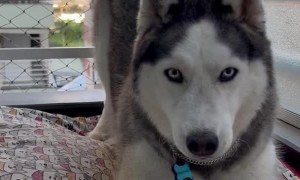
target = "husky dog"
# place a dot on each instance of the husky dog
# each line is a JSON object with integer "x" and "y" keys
{"x": 189, "y": 81}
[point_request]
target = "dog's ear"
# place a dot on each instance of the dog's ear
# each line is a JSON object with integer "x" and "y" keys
{"x": 153, "y": 13}
{"x": 248, "y": 12}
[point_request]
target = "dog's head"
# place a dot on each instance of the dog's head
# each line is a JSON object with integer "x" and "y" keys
{"x": 201, "y": 71}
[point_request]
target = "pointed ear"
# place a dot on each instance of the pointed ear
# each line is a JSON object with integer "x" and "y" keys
{"x": 248, "y": 12}
{"x": 153, "y": 13}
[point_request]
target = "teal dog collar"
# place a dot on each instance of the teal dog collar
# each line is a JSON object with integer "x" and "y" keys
{"x": 182, "y": 171}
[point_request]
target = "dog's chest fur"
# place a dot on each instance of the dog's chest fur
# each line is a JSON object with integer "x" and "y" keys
{"x": 141, "y": 161}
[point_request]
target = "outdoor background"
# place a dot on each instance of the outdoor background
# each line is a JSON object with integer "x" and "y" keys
{"x": 68, "y": 23}
{"x": 44, "y": 24}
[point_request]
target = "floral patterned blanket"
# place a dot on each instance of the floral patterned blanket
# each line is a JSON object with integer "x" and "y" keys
{"x": 42, "y": 146}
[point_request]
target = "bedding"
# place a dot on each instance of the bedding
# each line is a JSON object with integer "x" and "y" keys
{"x": 42, "y": 146}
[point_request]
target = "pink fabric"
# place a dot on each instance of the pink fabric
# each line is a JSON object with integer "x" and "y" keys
{"x": 41, "y": 146}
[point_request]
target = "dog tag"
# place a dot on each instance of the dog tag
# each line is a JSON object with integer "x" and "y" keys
{"x": 182, "y": 171}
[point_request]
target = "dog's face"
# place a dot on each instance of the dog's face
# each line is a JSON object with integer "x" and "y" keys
{"x": 200, "y": 91}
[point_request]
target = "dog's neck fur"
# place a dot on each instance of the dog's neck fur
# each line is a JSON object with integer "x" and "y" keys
{"x": 258, "y": 133}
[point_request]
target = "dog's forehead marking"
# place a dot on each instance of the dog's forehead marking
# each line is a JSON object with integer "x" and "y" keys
{"x": 205, "y": 35}
{"x": 201, "y": 46}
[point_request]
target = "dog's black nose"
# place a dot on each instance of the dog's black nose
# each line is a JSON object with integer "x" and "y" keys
{"x": 202, "y": 143}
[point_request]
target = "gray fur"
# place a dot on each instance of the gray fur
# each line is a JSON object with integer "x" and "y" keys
{"x": 123, "y": 32}
{"x": 248, "y": 42}
{"x": 245, "y": 42}
{"x": 135, "y": 126}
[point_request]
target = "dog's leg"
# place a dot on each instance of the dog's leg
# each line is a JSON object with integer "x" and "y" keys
{"x": 102, "y": 26}
{"x": 105, "y": 127}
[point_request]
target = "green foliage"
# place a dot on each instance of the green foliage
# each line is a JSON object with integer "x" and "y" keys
{"x": 66, "y": 34}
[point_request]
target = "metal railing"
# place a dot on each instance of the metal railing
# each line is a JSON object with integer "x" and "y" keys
{"x": 21, "y": 1}
{"x": 43, "y": 46}
{"x": 47, "y": 69}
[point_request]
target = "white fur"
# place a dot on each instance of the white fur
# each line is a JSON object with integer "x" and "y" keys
{"x": 141, "y": 161}
{"x": 103, "y": 129}
{"x": 202, "y": 102}
{"x": 102, "y": 35}
{"x": 256, "y": 166}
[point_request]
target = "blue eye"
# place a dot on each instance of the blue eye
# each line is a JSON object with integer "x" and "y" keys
{"x": 174, "y": 75}
{"x": 228, "y": 74}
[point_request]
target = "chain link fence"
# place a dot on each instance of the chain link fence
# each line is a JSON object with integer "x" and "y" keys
{"x": 45, "y": 24}
{"x": 68, "y": 23}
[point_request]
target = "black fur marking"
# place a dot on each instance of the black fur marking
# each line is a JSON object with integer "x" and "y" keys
{"x": 159, "y": 42}
{"x": 243, "y": 42}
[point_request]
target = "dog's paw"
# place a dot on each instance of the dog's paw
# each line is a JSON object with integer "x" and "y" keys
{"x": 111, "y": 141}
{"x": 100, "y": 136}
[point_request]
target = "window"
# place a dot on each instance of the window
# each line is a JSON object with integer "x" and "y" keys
{"x": 35, "y": 40}
{"x": 283, "y": 24}
{"x": 283, "y": 29}
{"x": 46, "y": 47}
